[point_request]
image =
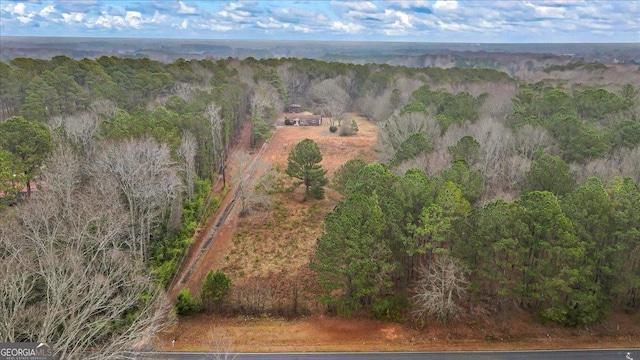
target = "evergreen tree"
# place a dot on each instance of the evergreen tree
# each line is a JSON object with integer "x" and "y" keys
{"x": 303, "y": 164}
{"x": 549, "y": 173}
{"x": 29, "y": 141}
{"x": 346, "y": 177}
{"x": 215, "y": 286}
{"x": 352, "y": 260}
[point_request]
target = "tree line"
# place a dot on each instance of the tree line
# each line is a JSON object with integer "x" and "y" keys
{"x": 476, "y": 203}
{"x": 411, "y": 246}
{"x": 123, "y": 153}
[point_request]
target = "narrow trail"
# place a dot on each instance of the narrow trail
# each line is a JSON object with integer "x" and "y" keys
{"x": 210, "y": 231}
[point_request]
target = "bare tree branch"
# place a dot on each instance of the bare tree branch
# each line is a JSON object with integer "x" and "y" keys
{"x": 441, "y": 286}
{"x": 147, "y": 179}
{"x": 220, "y": 344}
{"x": 332, "y": 98}
{"x": 187, "y": 151}
{"x": 67, "y": 280}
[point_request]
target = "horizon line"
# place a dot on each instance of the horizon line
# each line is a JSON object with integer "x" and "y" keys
{"x": 312, "y": 40}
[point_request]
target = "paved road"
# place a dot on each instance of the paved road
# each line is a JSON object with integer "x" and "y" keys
{"x": 617, "y": 354}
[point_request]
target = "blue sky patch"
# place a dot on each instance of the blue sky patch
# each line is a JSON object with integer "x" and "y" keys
{"x": 507, "y": 21}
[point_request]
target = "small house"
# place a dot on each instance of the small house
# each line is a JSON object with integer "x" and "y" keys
{"x": 294, "y": 108}
{"x": 306, "y": 120}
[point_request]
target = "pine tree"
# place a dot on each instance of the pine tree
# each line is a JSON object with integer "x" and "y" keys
{"x": 303, "y": 164}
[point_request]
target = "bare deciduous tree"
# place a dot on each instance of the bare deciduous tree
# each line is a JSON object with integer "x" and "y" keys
{"x": 250, "y": 197}
{"x": 220, "y": 344}
{"x": 376, "y": 107}
{"x": 496, "y": 144}
{"x": 62, "y": 174}
{"x": 66, "y": 280}
{"x": 407, "y": 86}
{"x": 265, "y": 101}
{"x": 203, "y": 74}
{"x": 531, "y": 138}
{"x": 17, "y": 286}
{"x": 252, "y": 297}
{"x": 147, "y": 179}
{"x": 79, "y": 127}
{"x": 498, "y": 105}
{"x": 104, "y": 107}
{"x": 187, "y": 151}
{"x": 441, "y": 287}
{"x": 397, "y": 130}
{"x": 332, "y": 98}
{"x": 507, "y": 178}
{"x": 217, "y": 128}
{"x": 623, "y": 162}
{"x": 295, "y": 83}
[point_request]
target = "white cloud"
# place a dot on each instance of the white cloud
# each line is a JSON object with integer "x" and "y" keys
{"x": 302, "y": 29}
{"x": 404, "y": 19}
{"x": 487, "y": 24}
{"x": 214, "y": 26}
{"x": 233, "y": 6}
{"x": 350, "y": 28}
{"x": 73, "y": 17}
{"x": 272, "y": 24}
{"x": 159, "y": 18}
{"x": 415, "y": 4}
{"x": 238, "y": 16}
{"x": 185, "y": 24}
{"x": 106, "y": 20}
{"x": 47, "y": 10}
{"x": 186, "y": 10}
{"x": 452, "y": 26}
{"x": 548, "y": 11}
{"x": 366, "y": 6}
{"x": 133, "y": 19}
{"x": 25, "y": 19}
{"x": 361, "y": 6}
{"x": 364, "y": 16}
{"x": 445, "y": 5}
{"x": 18, "y": 9}
{"x": 563, "y": 2}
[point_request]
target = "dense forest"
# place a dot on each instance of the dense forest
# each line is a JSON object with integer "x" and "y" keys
{"x": 491, "y": 190}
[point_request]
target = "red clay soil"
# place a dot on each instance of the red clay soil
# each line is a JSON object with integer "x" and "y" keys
{"x": 203, "y": 233}
{"x": 321, "y": 333}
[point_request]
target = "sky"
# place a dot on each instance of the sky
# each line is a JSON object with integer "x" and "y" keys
{"x": 504, "y": 21}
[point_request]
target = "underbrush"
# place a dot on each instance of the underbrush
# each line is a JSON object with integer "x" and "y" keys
{"x": 169, "y": 252}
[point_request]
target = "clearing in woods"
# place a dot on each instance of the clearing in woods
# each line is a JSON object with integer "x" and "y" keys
{"x": 271, "y": 250}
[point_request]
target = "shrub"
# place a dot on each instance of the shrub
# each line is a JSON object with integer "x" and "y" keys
{"x": 350, "y": 127}
{"x": 391, "y": 308}
{"x": 287, "y": 122}
{"x": 185, "y": 305}
{"x": 317, "y": 192}
{"x": 354, "y": 126}
{"x": 333, "y": 128}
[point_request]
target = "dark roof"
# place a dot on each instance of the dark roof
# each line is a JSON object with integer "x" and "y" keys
{"x": 306, "y": 117}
